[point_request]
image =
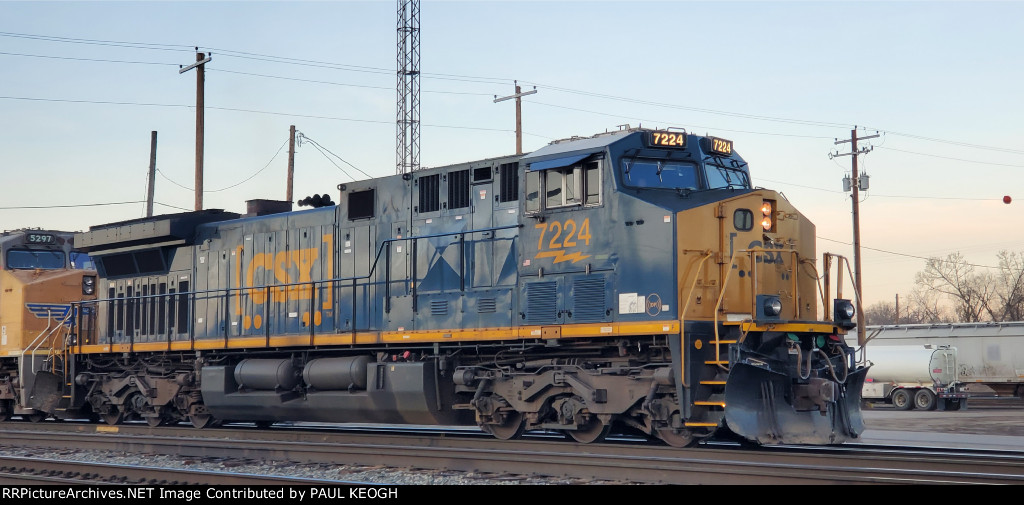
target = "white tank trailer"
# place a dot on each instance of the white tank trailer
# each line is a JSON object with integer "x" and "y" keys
{"x": 919, "y": 377}
{"x": 990, "y": 355}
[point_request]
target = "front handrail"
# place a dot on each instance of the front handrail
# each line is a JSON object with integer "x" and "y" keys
{"x": 45, "y": 335}
{"x": 682, "y": 315}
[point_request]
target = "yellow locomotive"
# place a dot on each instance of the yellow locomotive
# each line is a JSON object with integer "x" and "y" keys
{"x": 41, "y": 276}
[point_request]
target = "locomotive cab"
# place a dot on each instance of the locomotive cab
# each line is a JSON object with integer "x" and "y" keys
{"x": 687, "y": 239}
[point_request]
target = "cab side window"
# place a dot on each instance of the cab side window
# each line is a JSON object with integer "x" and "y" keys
{"x": 574, "y": 185}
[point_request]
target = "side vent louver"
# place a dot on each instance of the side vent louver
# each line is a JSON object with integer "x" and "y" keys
{"x": 588, "y": 300}
{"x": 541, "y": 302}
{"x": 439, "y": 307}
{"x": 487, "y": 306}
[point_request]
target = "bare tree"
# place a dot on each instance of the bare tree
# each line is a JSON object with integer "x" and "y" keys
{"x": 1010, "y": 286}
{"x": 972, "y": 294}
{"x": 922, "y": 306}
{"x": 926, "y": 307}
{"x": 881, "y": 313}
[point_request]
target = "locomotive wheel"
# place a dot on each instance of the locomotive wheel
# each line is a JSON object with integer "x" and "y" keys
{"x": 924, "y": 399}
{"x": 593, "y": 431}
{"x": 512, "y": 427}
{"x": 155, "y": 421}
{"x": 35, "y": 417}
{"x": 113, "y": 418}
{"x": 200, "y": 420}
{"x": 676, "y": 438}
{"x": 901, "y": 400}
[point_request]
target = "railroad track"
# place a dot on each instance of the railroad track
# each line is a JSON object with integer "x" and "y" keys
{"x": 617, "y": 461}
{"x": 49, "y": 471}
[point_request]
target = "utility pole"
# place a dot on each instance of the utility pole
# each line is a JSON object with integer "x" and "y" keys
{"x": 519, "y": 113}
{"x": 291, "y": 163}
{"x": 200, "y": 66}
{"x": 152, "y": 175}
{"x": 897, "y": 308}
{"x": 855, "y": 184}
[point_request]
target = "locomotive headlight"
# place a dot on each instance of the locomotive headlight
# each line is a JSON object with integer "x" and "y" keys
{"x": 768, "y": 307}
{"x": 844, "y": 313}
{"x": 88, "y": 284}
{"x": 768, "y": 213}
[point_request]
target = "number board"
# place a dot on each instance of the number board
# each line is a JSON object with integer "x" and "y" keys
{"x": 667, "y": 139}
{"x": 721, "y": 146}
{"x": 40, "y": 238}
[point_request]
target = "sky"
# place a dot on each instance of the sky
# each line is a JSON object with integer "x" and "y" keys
{"x": 83, "y": 84}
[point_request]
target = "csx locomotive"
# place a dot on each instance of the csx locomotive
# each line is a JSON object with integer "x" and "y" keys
{"x": 633, "y": 278}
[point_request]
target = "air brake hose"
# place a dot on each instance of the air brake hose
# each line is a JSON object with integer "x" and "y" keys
{"x": 799, "y": 361}
{"x": 832, "y": 370}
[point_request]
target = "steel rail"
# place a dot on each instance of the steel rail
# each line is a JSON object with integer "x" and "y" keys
{"x": 628, "y": 462}
{"x": 37, "y": 470}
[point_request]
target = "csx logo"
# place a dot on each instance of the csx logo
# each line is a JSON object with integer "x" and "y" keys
{"x": 283, "y": 264}
{"x": 288, "y": 267}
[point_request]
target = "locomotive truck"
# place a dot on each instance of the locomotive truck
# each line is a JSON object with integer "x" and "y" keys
{"x": 632, "y": 279}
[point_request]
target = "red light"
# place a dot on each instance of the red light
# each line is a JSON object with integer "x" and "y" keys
{"x": 1007, "y": 199}
{"x": 869, "y": 379}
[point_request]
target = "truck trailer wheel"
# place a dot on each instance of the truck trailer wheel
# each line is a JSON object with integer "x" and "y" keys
{"x": 902, "y": 400}
{"x": 924, "y": 399}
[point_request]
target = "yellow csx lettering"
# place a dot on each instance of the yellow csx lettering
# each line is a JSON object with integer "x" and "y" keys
{"x": 284, "y": 264}
{"x": 562, "y": 236}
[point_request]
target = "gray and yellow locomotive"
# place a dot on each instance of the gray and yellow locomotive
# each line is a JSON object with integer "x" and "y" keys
{"x": 634, "y": 278}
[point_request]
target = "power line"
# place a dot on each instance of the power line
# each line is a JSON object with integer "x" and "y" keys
{"x": 133, "y": 45}
{"x": 319, "y": 147}
{"x": 243, "y": 181}
{"x": 21, "y": 207}
{"x": 91, "y": 60}
{"x": 251, "y": 111}
{"x": 474, "y": 79}
{"x": 954, "y": 159}
{"x": 692, "y": 127}
{"x": 903, "y": 254}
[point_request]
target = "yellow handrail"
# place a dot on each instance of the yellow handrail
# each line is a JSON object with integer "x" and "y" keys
{"x": 682, "y": 315}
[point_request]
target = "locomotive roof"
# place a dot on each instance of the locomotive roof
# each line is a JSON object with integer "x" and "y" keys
{"x": 577, "y": 145}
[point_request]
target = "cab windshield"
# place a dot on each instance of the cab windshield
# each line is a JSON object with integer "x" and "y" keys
{"x": 82, "y": 261}
{"x": 724, "y": 177}
{"x": 660, "y": 174}
{"x": 31, "y": 259}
